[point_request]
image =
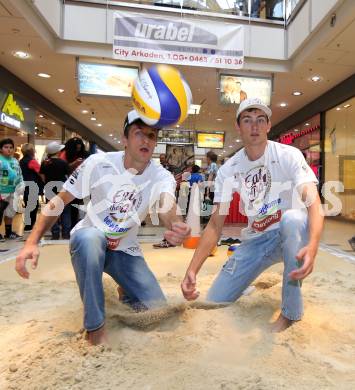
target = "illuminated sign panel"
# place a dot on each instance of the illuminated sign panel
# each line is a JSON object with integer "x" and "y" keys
{"x": 234, "y": 89}
{"x": 105, "y": 79}
{"x": 210, "y": 140}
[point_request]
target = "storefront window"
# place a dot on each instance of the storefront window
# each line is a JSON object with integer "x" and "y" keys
{"x": 306, "y": 138}
{"x": 339, "y": 162}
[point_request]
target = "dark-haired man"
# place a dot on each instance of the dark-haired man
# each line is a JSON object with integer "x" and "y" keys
{"x": 279, "y": 193}
{"x": 122, "y": 186}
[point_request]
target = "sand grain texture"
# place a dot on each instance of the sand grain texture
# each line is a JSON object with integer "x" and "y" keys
{"x": 183, "y": 346}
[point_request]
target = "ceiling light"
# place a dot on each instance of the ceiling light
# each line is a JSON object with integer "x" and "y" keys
{"x": 219, "y": 119}
{"x": 306, "y": 124}
{"x": 44, "y": 75}
{"x": 316, "y": 79}
{"x": 53, "y": 123}
{"x": 26, "y": 108}
{"x": 99, "y": 124}
{"x": 93, "y": 118}
{"x": 283, "y": 104}
{"x": 347, "y": 105}
{"x": 297, "y": 93}
{"x": 36, "y": 127}
{"x": 230, "y": 146}
{"x": 219, "y": 155}
{"x": 41, "y": 116}
{"x": 194, "y": 109}
{"x": 338, "y": 108}
{"x": 177, "y": 125}
{"x": 20, "y": 54}
{"x": 60, "y": 90}
{"x": 84, "y": 111}
{"x": 296, "y": 130}
{"x": 115, "y": 139}
{"x": 238, "y": 140}
{"x": 118, "y": 142}
{"x": 110, "y": 135}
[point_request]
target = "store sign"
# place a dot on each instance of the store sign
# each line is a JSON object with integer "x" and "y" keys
{"x": 13, "y": 112}
{"x": 288, "y": 138}
{"x": 12, "y": 108}
{"x": 177, "y": 41}
{"x": 7, "y": 120}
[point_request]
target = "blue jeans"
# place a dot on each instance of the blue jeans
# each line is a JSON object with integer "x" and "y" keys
{"x": 255, "y": 255}
{"x": 64, "y": 220}
{"x": 90, "y": 258}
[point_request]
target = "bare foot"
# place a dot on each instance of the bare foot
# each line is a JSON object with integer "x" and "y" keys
{"x": 97, "y": 337}
{"x": 281, "y": 324}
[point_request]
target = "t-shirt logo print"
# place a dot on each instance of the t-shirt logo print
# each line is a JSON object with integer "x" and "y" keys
{"x": 125, "y": 203}
{"x": 257, "y": 184}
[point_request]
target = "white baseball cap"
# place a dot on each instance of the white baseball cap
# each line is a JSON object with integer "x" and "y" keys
{"x": 54, "y": 147}
{"x": 253, "y": 103}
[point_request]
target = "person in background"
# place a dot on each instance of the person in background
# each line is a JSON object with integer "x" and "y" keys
{"x": 55, "y": 170}
{"x": 163, "y": 162}
{"x": 10, "y": 182}
{"x": 211, "y": 173}
{"x": 30, "y": 173}
{"x": 74, "y": 154}
{"x": 195, "y": 176}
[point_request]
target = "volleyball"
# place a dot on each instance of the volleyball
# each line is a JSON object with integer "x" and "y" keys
{"x": 161, "y": 96}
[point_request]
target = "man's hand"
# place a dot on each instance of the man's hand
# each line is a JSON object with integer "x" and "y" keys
{"x": 306, "y": 256}
{"x": 178, "y": 233}
{"x": 28, "y": 252}
{"x": 188, "y": 286}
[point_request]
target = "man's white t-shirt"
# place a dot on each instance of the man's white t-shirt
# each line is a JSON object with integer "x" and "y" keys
{"x": 119, "y": 199}
{"x": 267, "y": 186}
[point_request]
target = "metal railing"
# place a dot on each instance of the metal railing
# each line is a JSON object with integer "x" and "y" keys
{"x": 269, "y": 11}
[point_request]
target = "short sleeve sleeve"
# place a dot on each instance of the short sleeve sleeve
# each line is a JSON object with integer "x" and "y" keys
{"x": 224, "y": 185}
{"x": 79, "y": 182}
{"x": 165, "y": 184}
{"x": 301, "y": 172}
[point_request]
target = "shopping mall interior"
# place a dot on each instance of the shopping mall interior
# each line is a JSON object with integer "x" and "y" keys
{"x": 67, "y": 68}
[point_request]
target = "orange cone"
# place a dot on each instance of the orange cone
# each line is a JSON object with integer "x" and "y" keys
{"x": 193, "y": 218}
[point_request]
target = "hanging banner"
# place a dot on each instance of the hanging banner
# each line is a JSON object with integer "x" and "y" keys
{"x": 177, "y": 41}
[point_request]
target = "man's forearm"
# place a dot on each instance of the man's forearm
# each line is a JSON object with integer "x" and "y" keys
{"x": 170, "y": 217}
{"x": 316, "y": 220}
{"x": 207, "y": 242}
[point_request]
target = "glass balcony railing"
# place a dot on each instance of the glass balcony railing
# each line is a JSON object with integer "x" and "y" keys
{"x": 279, "y": 11}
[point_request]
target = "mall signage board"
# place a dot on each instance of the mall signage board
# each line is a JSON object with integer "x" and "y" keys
{"x": 15, "y": 113}
{"x": 210, "y": 140}
{"x": 105, "y": 79}
{"x": 170, "y": 40}
{"x": 235, "y": 88}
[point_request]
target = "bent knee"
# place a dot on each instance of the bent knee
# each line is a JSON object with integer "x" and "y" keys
{"x": 88, "y": 238}
{"x": 293, "y": 220}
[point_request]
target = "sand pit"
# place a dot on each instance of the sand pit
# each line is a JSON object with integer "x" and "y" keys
{"x": 182, "y": 346}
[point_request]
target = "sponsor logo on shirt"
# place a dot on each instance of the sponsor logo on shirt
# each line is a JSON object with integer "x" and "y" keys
{"x": 114, "y": 227}
{"x": 266, "y": 222}
{"x": 74, "y": 176}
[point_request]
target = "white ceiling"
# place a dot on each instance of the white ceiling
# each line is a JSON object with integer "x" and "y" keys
{"x": 333, "y": 59}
